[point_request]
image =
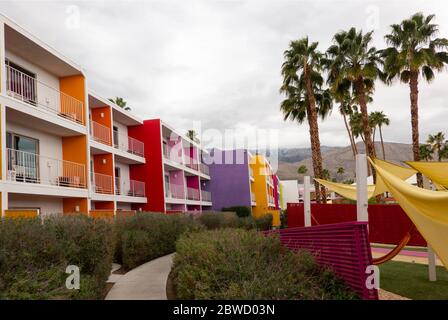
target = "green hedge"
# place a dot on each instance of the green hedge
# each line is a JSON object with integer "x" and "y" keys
{"x": 147, "y": 236}
{"x": 218, "y": 220}
{"x": 34, "y": 256}
{"x": 241, "y": 211}
{"x": 241, "y": 264}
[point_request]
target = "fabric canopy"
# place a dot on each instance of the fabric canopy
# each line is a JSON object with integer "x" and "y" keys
{"x": 349, "y": 191}
{"x": 427, "y": 209}
{"x": 436, "y": 171}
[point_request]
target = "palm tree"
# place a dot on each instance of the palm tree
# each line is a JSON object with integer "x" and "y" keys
{"x": 340, "y": 172}
{"x": 352, "y": 58}
{"x": 305, "y": 97}
{"x": 379, "y": 119}
{"x": 425, "y": 152}
{"x": 192, "y": 135}
{"x": 437, "y": 144}
{"x": 414, "y": 51}
{"x": 302, "y": 169}
{"x": 356, "y": 126}
{"x": 326, "y": 174}
{"x": 120, "y": 102}
{"x": 444, "y": 152}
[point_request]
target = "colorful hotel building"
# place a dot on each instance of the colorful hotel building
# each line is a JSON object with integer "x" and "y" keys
{"x": 65, "y": 149}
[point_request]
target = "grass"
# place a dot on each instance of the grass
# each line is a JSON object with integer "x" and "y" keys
{"x": 391, "y": 246}
{"x": 411, "y": 280}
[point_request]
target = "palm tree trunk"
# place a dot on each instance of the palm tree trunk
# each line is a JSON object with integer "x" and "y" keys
{"x": 413, "y": 85}
{"x": 349, "y": 134}
{"x": 382, "y": 143}
{"x": 360, "y": 93}
{"x": 314, "y": 139}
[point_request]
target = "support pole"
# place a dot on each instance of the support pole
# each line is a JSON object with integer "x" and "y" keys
{"x": 307, "y": 200}
{"x": 432, "y": 272}
{"x": 361, "y": 188}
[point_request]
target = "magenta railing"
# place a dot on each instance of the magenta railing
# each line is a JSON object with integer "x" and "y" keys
{"x": 343, "y": 247}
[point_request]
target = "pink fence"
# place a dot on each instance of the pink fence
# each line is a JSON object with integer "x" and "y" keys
{"x": 344, "y": 247}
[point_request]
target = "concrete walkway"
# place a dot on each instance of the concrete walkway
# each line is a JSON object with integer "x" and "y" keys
{"x": 146, "y": 282}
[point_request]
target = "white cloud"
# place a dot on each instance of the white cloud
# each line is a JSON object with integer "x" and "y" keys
{"x": 219, "y": 61}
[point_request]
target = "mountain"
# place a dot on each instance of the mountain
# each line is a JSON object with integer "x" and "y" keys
{"x": 335, "y": 157}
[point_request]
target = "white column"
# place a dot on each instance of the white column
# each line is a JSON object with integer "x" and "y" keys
{"x": 307, "y": 200}
{"x": 432, "y": 272}
{"x": 361, "y": 188}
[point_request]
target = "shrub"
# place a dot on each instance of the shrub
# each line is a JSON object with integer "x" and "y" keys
{"x": 34, "y": 255}
{"x": 241, "y": 211}
{"x": 147, "y": 236}
{"x": 264, "y": 222}
{"x": 240, "y": 264}
{"x": 217, "y": 220}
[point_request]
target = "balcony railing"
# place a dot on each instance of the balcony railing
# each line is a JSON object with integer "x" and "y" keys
{"x": 206, "y": 196}
{"x": 130, "y": 188}
{"x": 129, "y": 144}
{"x": 171, "y": 155}
{"x": 252, "y": 197}
{"x": 204, "y": 169}
{"x": 175, "y": 191}
{"x": 33, "y": 168}
{"x": 102, "y": 183}
{"x": 28, "y": 89}
{"x": 192, "y": 194}
{"x": 271, "y": 200}
{"x": 191, "y": 162}
{"x": 100, "y": 132}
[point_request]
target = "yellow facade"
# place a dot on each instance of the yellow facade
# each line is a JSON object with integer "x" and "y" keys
{"x": 262, "y": 189}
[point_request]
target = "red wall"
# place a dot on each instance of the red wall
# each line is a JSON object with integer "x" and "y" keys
{"x": 387, "y": 223}
{"x": 151, "y": 172}
{"x": 343, "y": 247}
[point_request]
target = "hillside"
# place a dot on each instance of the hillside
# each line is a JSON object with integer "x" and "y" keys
{"x": 333, "y": 158}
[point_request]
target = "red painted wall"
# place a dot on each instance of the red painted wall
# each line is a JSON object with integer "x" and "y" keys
{"x": 151, "y": 172}
{"x": 387, "y": 223}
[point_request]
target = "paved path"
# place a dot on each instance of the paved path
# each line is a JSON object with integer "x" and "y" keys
{"x": 146, "y": 282}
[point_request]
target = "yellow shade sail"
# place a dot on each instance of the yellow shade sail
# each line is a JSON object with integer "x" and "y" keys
{"x": 349, "y": 191}
{"x": 436, "y": 171}
{"x": 427, "y": 209}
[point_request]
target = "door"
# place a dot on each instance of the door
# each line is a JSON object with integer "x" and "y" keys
{"x": 117, "y": 180}
{"x": 167, "y": 185}
{"x": 116, "y": 137}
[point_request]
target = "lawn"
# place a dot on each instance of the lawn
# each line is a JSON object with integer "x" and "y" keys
{"x": 411, "y": 280}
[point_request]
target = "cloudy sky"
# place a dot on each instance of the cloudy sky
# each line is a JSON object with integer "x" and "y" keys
{"x": 218, "y": 61}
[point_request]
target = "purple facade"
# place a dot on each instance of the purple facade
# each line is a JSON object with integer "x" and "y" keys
{"x": 229, "y": 183}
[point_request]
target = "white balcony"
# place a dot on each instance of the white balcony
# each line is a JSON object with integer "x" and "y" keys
{"x": 252, "y": 197}
{"x": 174, "y": 191}
{"x": 33, "y": 168}
{"x": 193, "y": 194}
{"x": 170, "y": 155}
{"x": 101, "y": 183}
{"x": 28, "y": 89}
{"x": 129, "y": 188}
{"x": 129, "y": 144}
{"x": 204, "y": 169}
{"x": 206, "y": 196}
{"x": 251, "y": 173}
{"x": 100, "y": 133}
{"x": 191, "y": 162}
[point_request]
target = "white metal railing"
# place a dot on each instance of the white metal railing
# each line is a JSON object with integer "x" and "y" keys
{"x": 102, "y": 183}
{"x": 170, "y": 155}
{"x": 131, "y": 188}
{"x": 192, "y": 194}
{"x": 128, "y": 144}
{"x": 33, "y": 168}
{"x": 100, "y": 132}
{"x": 32, "y": 91}
{"x": 206, "y": 196}
{"x": 191, "y": 162}
{"x": 271, "y": 200}
{"x": 175, "y": 191}
{"x": 204, "y": 169}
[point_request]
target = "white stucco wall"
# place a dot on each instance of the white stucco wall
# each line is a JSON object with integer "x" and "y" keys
{"x": 47, "y": 205}
{"x": 290, "y": 191}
